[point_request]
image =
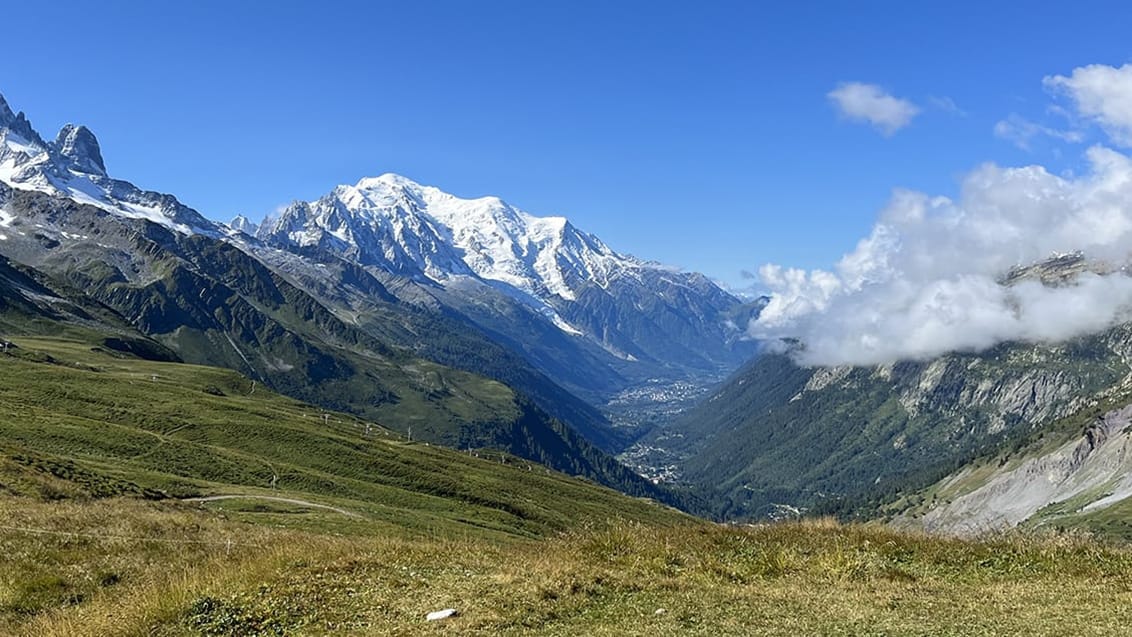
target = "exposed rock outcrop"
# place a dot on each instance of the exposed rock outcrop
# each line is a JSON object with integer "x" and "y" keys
{"x": 1085, "y": 474}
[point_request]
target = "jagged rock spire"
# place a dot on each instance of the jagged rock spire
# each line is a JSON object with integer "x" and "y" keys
{"x": 80, "y": 147}
{"x": 243, "y": 224}
{"x": 6, "y": 114}
{"x": 17, "y": 123}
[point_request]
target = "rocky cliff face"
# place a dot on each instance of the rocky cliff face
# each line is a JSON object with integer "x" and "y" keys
{"x": 953, "y": 386}
{"x": 1045, "y": 485}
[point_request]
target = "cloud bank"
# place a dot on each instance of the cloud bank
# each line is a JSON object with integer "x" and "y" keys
{"x": 928, "y": 278}
{"x": 870, "y": 104}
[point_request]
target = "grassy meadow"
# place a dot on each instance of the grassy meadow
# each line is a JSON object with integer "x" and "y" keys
{"x": 617, "y": 577}
{"x": 336, "y": 526}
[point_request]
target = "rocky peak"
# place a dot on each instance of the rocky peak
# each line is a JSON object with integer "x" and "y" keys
{"x": 80, "y": 147}
{"x": 1058, "y": 270}
{"x": 282, "y": 221}
{"x": 6, "y": 114}
{"x": 242, "y": 224}
{"x": 71, "y": 166}
{"x": 18, "y": 123}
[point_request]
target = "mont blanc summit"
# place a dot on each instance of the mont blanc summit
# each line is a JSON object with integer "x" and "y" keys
{"x": 626, "y": 305}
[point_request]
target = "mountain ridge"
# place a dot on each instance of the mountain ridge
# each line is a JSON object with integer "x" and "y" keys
{"x": 504, "y": 268}
{"x": 72, "y": 167}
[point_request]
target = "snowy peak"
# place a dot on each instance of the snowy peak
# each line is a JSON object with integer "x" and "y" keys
{"x": 391, "y": 181}
{"x": 393, "y": 221}
{"x": 80, "y": 147}
{"x": 72, "y": 167}
{"x": 6, "y": 114}
{"x": 637, "y": 311}
{"x": 18, "y": 124}
{"x": 473, "y": 248}
{"x": 242, "y": 224}
{"x": 374, "y": 225}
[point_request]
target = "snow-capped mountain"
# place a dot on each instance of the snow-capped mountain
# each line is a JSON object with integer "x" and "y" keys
{"x": 393, "y": 222}
{"x": 240, "y": 223}
{"x": 72, "y": 167}
{"x": 399, "y": 225}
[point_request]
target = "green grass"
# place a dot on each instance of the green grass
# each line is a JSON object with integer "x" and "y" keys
{"x": 97, "y": 450}
{"x": 1113, "y": 521}
{"x": 623, "y": 577}
{"x": 186, "y": 430}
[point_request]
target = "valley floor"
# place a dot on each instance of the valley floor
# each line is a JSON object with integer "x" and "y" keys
{"x": 125, "y": 566}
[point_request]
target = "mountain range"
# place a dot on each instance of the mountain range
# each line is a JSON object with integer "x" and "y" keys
{"x": 616, "y": 319}
{"x": 469, "y": 323}
{"x": 473, "y": 324}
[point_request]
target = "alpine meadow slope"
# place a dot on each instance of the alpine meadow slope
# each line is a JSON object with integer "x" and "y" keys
{"x": 110, "y": 487}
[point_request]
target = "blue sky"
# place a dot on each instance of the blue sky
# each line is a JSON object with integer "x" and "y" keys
{"x": 700, "y": 135}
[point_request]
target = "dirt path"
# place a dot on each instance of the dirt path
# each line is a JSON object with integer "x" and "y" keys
{"x": 214, "y": 498}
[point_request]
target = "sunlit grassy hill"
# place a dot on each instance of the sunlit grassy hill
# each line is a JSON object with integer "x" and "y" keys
{"x": 338, "y": 526}
{"x": 117, "y": 424}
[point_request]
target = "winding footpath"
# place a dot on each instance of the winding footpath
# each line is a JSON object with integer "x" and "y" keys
{"x": 214, "y": 498}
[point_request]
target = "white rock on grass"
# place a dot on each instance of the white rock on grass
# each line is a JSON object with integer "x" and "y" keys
{"x": 442, "y": 614}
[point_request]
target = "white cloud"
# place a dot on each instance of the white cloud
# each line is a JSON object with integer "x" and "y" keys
{"x": 1022, "y": 132}
{"x": 870, "y": 104}
{"x": 926, "y": 280}
{"x": 1102, "y": 94}
{"x": 947, "y": 105}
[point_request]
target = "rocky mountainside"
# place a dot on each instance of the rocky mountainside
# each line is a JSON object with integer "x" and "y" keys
{"x": 1085, "y": 475}
{"x": 1075, "y": 472}
{"x": 847, "y": 439}
{"x": 398, "y": 311}
{"x": 32, "y": 304}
